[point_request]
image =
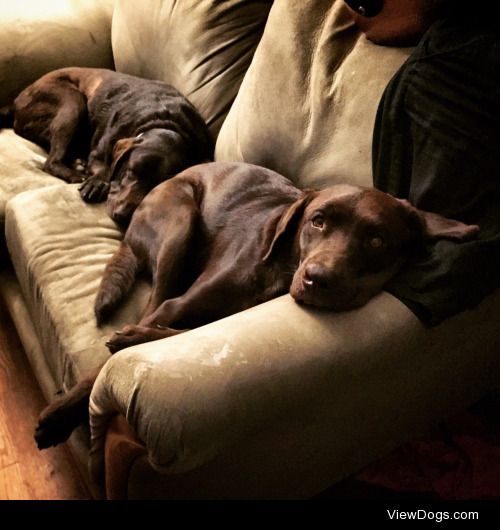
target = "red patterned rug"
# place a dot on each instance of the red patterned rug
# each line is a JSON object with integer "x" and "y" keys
{"x": 459, "y": 459}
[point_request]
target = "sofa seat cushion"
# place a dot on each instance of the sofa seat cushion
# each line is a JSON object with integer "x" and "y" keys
{"x": 21, "y": 165}
{"x": 59, "y": 247}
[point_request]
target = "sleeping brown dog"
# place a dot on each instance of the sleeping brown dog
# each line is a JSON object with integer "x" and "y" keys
{"x": 223, "y": 237}
{"x": 136, "y": 132}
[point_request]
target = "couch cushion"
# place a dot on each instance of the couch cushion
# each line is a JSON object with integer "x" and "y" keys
{"x": 59, "y": 247}
{"x": 307, "y": 104}
{"x": 202, "y": 47}
{"x": 37, "y": 37}
{"x": 21, "y": 165}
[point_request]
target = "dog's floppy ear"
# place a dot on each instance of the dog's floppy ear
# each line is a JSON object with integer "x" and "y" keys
{"x": 274, "y": 231}
{"x": 121, "y": 148}
{"x": 435, "y": 226}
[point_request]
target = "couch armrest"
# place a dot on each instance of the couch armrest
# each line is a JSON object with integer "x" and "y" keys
{"x": 36, "y": 37}
{"x": 344, "y": 388}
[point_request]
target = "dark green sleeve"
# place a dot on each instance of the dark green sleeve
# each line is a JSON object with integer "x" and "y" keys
{"x": 437, "y": 143}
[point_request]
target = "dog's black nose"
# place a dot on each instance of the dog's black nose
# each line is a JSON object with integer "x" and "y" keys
{"x": 316, "y": 275}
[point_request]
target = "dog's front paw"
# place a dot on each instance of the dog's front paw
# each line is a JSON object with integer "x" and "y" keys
{"x": 128, "y": 336}
{"x": 94, "y": 189}
{"x": 132, "y": 335}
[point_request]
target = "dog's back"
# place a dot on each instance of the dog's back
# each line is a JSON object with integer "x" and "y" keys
{"x": 124, "y": 105}
{"x": 238, "y": 197}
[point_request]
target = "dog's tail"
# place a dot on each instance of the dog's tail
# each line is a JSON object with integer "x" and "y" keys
{"x": 119, "y": 276}
{"x": 7, "y": 116}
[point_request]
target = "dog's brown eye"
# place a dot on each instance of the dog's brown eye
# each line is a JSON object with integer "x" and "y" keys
{"x": 318, "y": 221}
{"x": 376, "y": 242}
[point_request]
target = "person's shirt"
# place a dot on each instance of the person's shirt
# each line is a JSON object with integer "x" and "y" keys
{"x": 437, "y": 144}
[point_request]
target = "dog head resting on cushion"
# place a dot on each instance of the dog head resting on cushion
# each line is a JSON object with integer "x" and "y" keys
{"x": 350, "y": 241}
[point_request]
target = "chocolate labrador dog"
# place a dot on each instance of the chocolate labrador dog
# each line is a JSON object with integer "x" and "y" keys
{"x": 135, "y": 132}
{"x": 222, "y": 237}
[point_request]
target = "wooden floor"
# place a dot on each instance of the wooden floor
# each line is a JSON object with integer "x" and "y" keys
{"x": 26, "y": 472}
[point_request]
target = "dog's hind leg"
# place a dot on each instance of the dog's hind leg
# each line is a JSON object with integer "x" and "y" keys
{"x": 170, "y": 270}
{"x": 70, "y": 116}
{"x": 163, "y": 252}
{"x": 171, "y": 267}
{"x": 117, "y": 280}
{"x": 59, "y": 419}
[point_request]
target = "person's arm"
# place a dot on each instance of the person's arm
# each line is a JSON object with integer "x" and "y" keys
{"x": 436, "y": 143}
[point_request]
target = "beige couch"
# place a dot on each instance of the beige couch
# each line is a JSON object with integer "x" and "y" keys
{"x": 275, "y": 402}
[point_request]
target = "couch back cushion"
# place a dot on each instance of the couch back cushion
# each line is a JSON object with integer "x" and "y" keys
{"x": 307, "y": 104}
{"x": 202, "y": 47}
{"x": 37, "y": 37}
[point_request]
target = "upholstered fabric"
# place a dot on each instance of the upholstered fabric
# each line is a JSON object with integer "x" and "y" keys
{"x": 329, "y": 390}
{"x": 37, "y": 37}
{"x": 307, "y": 104}
{"x": 10, "y": 292}
{"x": 20, "y": 170}
{"x": 59, "y": 247}
{"x": 202, "y": 47}
{"x": 276, "y": 401}
{"x": 21, "y": 165}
